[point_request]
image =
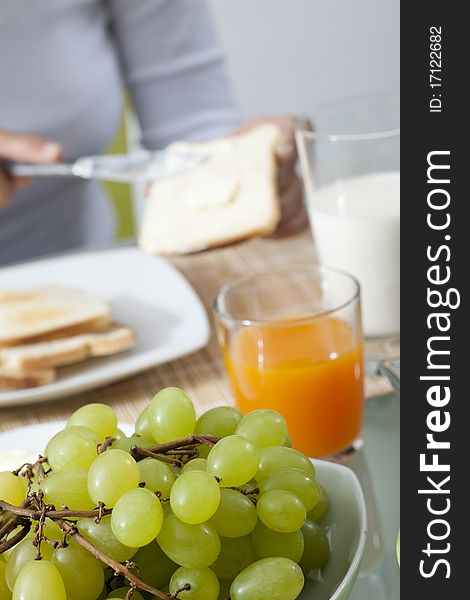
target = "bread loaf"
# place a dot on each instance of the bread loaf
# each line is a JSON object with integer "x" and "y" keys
{"x": 65, "y": 351}
{"x": 231, "y": 195}
{"x": 12, "y": 379}
{"x": 31, "y": 315}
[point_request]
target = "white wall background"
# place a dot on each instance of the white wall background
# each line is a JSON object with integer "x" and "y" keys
{"x": 287, "y": 56}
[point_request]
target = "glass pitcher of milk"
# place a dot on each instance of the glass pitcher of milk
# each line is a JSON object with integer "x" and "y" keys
{"x": 350, "y": 166}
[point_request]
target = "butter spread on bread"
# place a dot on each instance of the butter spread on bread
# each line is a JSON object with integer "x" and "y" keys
{"x": 230, "y": 196}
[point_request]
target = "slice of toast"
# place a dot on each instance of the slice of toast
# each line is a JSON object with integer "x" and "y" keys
{"x": 230, "y": 196}
{"x": 32, "y": 315}
{"x": 65, "y": 351}
{"x": 14, "y": 379}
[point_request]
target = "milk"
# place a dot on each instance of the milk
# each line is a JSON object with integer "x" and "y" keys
{"x": 356, "y": 225}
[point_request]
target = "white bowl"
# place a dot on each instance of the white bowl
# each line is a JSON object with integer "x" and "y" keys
{"x": 346, "y": 522}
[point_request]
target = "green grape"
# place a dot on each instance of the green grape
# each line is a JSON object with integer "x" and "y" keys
{"x": 295, "y": 481}
{"x": 288, "y": 442}
{"x": 5, "y": 593}
{"x": 29, "y": 536}
{"x": 234, "y": 460}
{"x": 264, "y": 428}
{"x": 281, "y": 511}
{"x": 122, "y": 593}
{"x": 100, "y": 418}
{"x": 81, "y": 572}
{"x": 157, "y": 476}
{"x": 119, "y": 434}
{"x": 111, "y": 475}
{"x": 101, "y": 535}
{"x": 268, "y": 543}
{"x": 142, "y": 425}
{"x": 11, "y": 488}
{"x": 220, "y": 421}
{"x": 195, "y": 496}
{"x": 137, "y": 518}
{"x": 197, "y": 464}
{"x": 23, "y": 553}
{"x": 39, "y": 580}
{"x": 69, "y": 488}
{"x": 72, "y": 448}
{"x": 204, "y": 584}
{"x": 321, "y": 505}
{"x": 276, "y": 458}
{"x": 191, "y": 546}
{"x": 25, "y": 481}
{"x": 86, "y": 431}
{"x": 236, "y": 515}
{"x": 155, "y": 567}
{"x": 171, "y": 415}
{"x": 269, "y": 579}
{"x": 175, "y": 470}
{"x": 235, "y": 555}
{"x": 317, "y": 547}
{"x": 126, "y": 443}
{"x": 52, "y": 531}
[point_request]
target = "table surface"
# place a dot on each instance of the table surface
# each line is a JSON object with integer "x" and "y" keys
{"x": 378, "y": 468}
{"x": 203, "y": 377}
{"x": 201, "y": 374}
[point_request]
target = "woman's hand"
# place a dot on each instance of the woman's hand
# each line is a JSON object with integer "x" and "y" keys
{"x": 294, "y": 216}
{"x": 23, "y": 148}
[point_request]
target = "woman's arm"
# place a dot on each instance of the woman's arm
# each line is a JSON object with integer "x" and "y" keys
{"x": 174, "y": 68}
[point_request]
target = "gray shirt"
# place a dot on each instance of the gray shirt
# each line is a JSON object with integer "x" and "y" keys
{"x": 63, "y": 66}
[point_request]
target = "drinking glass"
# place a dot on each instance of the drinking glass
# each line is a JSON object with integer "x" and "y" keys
{"x": 350, "y": 167}
{"x": 292, "y": 342}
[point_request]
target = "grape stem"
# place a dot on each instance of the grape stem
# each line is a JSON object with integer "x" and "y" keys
{"x": 11, "y": 524}
{"x": 7, "y": 544}
{"x": 40, "y": 527}
{"x": 139, "y": 453}
{"x": 53, "y": 514}
{"x": 191, "y": 440}
{"x": 30, "y": 466}
{"x": 23, "y": 514}
{"x": 184, "y": 452}
{"x": 59, "y": 516}
{"x": 14, "y": 520}
{"x": 182, "y": 446}
{"x": 246, "y": 492}
{"x": 106, "y": 444}
{"x": 118, "y": 568}
{"x": 185, "y": 588}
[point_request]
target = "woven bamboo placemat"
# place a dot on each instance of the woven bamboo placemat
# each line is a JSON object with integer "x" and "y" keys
{"x": 201, "y": 374}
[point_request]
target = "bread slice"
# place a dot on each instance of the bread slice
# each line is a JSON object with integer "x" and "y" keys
{"x": 230, "y": 196}
{"x": 14, "y": 379}
{"x": 31, "y": 315}
{"x": 65, "y": 351}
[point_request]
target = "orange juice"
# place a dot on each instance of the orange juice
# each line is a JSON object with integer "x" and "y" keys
{"x": 310, "y": 372}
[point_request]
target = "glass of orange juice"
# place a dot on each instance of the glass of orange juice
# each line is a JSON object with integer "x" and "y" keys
{"x": 292, "y": 341}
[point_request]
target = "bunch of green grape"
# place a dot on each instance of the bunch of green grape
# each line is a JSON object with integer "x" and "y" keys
{"x": 236, "y": 520}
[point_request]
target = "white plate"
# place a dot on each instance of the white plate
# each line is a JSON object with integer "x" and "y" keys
{"x": 144, "y": 292}
{"x": 345, "y": 518}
